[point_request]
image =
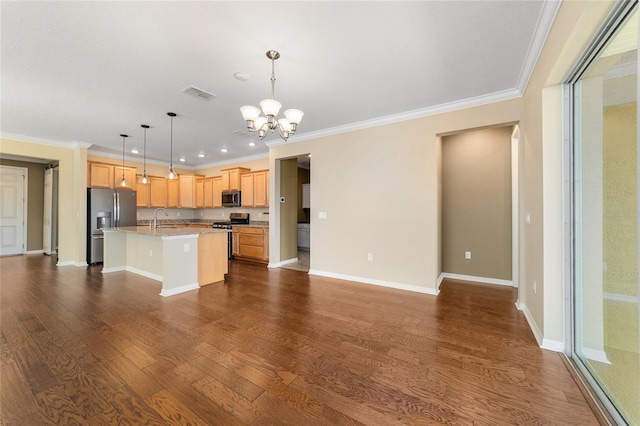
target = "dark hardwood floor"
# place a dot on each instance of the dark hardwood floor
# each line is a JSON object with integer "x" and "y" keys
{"x": 268, "y": 347}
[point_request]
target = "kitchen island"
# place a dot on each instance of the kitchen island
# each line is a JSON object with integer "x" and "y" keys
{"x": 181, "y": 258}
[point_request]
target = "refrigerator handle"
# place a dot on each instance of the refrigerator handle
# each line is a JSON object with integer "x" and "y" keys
{"x": 116, "y": 216}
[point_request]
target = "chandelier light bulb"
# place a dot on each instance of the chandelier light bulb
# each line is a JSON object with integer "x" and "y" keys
{"x": 271, "y": 108}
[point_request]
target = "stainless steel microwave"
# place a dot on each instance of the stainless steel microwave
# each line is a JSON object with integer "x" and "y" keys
{"x": 231, "y": 199}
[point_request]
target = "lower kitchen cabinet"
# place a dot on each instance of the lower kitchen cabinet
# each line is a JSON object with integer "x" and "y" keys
{"x": 251, "y": 243}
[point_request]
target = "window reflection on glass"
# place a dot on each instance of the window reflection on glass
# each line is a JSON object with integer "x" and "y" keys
{"x": 607, "y": 336}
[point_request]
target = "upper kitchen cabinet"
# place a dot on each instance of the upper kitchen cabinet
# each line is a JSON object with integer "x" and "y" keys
{"x": 173, "y": 193}
{"x": 142, "y": 196}
{"x": 261, "y": 188}
{"x": 188, "y": 191}
{"x": 231, "y": 178}
{"x": 101, "y": 175}
{"x": 199, "y": 193}
{"x": 153, "y": 194}
{"x": 158, "y": 192}
{"x": 208, "y": 192}
{"x": 255, "y": 189}
{"x": 216, "y": 185}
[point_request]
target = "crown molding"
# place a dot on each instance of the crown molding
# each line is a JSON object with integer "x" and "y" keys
{"x": 395, "y": 118}
{"x": 543, "y": 28}
{"x": 235, "y": 161}
{"x": 50, "y": 142}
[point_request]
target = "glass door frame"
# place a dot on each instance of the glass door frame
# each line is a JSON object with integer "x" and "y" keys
{"x": 571, "y": 236}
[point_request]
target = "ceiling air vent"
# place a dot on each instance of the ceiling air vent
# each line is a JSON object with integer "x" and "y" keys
{"x": 198, "y": 93}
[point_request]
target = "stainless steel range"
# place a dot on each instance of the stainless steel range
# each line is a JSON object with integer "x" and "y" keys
{"x": 234, "y": 219}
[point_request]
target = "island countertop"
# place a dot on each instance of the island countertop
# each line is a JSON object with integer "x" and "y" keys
{"x": 165, "y": 231}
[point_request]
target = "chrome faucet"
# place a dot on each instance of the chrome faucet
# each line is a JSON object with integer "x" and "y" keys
{"x": 155, "y": 217}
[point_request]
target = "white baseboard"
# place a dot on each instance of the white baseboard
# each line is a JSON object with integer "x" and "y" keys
{"x": 34, "y": 252}
{"x": 70, "y": 263}
{"x": 440, "y": 279}
{"x": 483, "y": 280}
{"x": 381, "y": 283}
{"x": 532, "y": 324}
{"x": 284, "y": 262}
{"x": 113, "y": 269}
{"x": 144, "y": 273}
{"x": 596, "y": 355}
{"x": 552, "y": 345}
{"x": 178, "y": 290}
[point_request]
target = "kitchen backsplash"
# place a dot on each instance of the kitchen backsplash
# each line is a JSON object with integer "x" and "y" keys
{"x": 220, "y": 214}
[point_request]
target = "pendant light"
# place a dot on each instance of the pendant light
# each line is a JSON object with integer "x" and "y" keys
{"x": 172, "y": 174}
{"x": 123, "y": 182}
{"x": 144, "y": 179}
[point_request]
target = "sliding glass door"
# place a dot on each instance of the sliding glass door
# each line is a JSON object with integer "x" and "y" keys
{"x": 606, "y": 321}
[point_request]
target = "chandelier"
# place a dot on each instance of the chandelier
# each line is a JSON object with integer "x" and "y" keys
{"x": 270, "y": 108}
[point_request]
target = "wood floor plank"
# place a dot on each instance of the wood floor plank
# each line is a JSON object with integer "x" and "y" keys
{"x": 16, "y": 400}
{"x": 57, "y": 408}
{"x": 269, "y": 347}
{"x": 172, "y": 411}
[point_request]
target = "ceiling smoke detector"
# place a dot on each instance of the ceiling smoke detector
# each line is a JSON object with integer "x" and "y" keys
{"x": 198, "y": 93}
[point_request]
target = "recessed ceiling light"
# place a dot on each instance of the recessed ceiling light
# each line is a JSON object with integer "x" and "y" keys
{"x": 224, "y": 150}
{"x": 201, "y": 155}
{"x": 241, "y": 75}
{"x": 252, "y": 144}
{"x": 182, "y": 159}
{"x": 134, "y": 150}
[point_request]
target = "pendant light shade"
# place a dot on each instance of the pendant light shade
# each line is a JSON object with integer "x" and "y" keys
{"x": 172, "y": 174}
{"x": 123, "y": 182}
{"x": 144, "y": 179}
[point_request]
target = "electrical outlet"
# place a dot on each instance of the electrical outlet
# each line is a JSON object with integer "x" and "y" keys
{"x": 322, "y": 215}
{"x": 467, "y": 255}
{"x": 186, "y": 247}
{"x": 370, "y": 257}
{"x": 150, "y": 253}
{"x": 178, "y": 214}
{"x": 201, "y": 214}
{"x": 535, "y": 285}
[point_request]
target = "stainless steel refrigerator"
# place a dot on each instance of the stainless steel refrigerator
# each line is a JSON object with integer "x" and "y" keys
{"x": 107, "y": 208}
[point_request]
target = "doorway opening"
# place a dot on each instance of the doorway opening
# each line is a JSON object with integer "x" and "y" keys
{"x": 295, "y": 213}
{"x": 479, "y": 205}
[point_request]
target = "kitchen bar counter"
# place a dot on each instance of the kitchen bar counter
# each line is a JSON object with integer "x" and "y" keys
{"x": 181, "y": 258}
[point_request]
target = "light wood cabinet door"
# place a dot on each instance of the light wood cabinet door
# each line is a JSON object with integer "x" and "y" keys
{"x": 187, "y": 191}
{"x": 231, "y": 178}
{"x": 129, "y": 176}
{"x": 246, "y": 187}
{"x": 158, "y": 192}
{"x": 199, "y": 191}
{"x": 100, "y": 175}
{"x": 261, "y": 189}
{"x": 173, "y": 193}
{"x": 216, "y": 184}
{"x": 235, "y": 243}
{"x": 142, "y": 196}
{"x": 208, "y": 192}
{"x": 225, "y": 180}
{"x": 266, "y": 243}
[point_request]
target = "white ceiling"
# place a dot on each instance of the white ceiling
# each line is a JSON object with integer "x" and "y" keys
{"x": 86, "y": 72}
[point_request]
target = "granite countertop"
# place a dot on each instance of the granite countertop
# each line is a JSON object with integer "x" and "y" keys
{"x": 164, "y": 230}
{"x": 254, "y": 225}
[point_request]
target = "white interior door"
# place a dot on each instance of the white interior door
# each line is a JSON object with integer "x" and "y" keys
{"x": 12, "y": 183}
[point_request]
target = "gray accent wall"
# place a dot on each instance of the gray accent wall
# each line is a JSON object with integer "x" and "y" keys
{"x": 476, "y": 203}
